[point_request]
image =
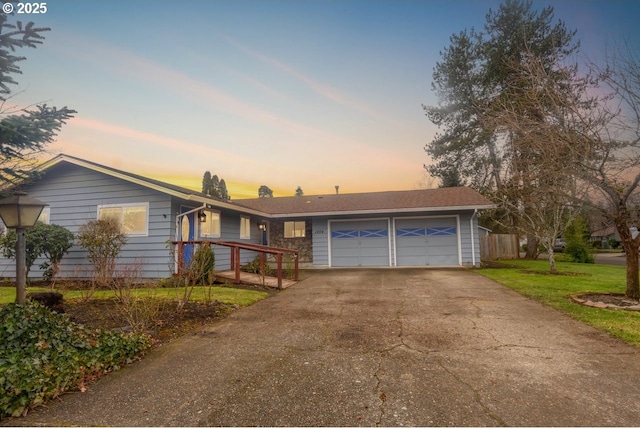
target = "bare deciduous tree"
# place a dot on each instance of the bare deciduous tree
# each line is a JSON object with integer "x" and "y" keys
{"x": 539, "y": 192}
{"x": 613, "y": 169}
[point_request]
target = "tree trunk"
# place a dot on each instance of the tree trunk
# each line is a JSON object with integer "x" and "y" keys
{"x": 548, "y": 245}
{"x": 532, "y": 248}
{"x": 630, "y": 246}
{"x": 633, "y": 281}
{"x": 552, "y": 261}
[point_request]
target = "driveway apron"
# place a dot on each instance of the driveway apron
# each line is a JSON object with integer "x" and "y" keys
{"x": 374, "y": 347}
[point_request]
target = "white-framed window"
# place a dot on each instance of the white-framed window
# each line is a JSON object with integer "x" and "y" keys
{"x": 294, "y": 229}
{"x": 210, "y": 228}
{"x": 245, "y": 227}
{"x": 133, "y": 218}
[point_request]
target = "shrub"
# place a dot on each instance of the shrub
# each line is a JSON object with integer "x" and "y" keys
{"x": 49, "y": 240}
{"x": 140, "y": 312}
{"x": 44, "y": 354}
{"x": 103, "y": 240}
{"x": 202, "y": 265}
{"x": 254, "y": 267}
{"x": 577, "y": 242}
{"x": 201, "y": 270}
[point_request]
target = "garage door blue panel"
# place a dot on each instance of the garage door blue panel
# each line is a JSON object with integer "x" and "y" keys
{"x": 426, "y": 242}
{"x": 344, "y": 234}
{"x": 441, "y": 231}
{"x": 360, "y": 243}
{"x": 373, "y": 233}
{"x": 410, "y": 231}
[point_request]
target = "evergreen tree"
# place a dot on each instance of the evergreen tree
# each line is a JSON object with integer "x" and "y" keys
{"x": 475, "y": 71}
{"x": 578, "y": 246}
{"x": 224, "y": 194}
{"x": 215, "y": 186}
{"x": 480, "y": 72}
{"x": 265, "y": 192}
{"x": 206, "y": 183}
{"x": 24, "y": 135}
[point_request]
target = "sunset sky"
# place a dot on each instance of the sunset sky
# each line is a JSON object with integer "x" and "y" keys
{"x": 283, "y": 93}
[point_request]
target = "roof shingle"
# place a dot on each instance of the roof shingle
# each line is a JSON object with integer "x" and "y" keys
{"x": 408, "y": 200}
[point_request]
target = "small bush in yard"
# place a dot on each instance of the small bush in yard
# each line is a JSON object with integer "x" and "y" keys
{"x": 44, "y": 354}
{"x": 577, "y": 238}
{"x": 49, "y": 240}
{"x": 103, "y": 240}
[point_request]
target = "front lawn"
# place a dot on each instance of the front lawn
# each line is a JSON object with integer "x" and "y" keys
{"x": 228, "y": 295}
{"x": 532, "y": 279}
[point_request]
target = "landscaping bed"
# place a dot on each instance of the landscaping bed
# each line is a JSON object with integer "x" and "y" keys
{"x": 166, "y": 325}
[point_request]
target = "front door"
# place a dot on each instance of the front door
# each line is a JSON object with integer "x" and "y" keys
{"x": 187, "y": 233}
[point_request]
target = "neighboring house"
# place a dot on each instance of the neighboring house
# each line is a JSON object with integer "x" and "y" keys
{"x": 433, "y": 227}
{"x": 604, "y": 235}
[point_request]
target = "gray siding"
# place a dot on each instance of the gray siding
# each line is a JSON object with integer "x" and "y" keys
{"x": 320, "y": 241}
{"x": 74, "y": 193}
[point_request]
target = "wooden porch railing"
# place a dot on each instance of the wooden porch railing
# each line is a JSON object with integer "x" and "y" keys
{"x": 235, "y": 248}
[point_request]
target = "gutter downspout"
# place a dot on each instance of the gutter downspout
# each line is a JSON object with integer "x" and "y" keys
{"x": 473, "y": 241}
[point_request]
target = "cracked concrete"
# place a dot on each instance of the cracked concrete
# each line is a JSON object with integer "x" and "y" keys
{"x": 376, "y": 347}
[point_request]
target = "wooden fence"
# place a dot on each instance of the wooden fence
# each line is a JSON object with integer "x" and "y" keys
{"x": 499, "y": 246}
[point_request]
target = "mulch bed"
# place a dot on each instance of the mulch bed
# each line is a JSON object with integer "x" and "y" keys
{"x": 607, "y": 301}
{"x": 168, "y": 323}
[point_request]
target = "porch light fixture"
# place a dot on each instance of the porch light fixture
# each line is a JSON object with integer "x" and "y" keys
{"x": 262, "y": 225}
{"x": 20, "y": 212}
{"x": 202, "y": 216}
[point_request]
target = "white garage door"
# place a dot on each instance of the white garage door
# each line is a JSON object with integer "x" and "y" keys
{"x": 426, "y": 242}
{"x": 360, "y": 243}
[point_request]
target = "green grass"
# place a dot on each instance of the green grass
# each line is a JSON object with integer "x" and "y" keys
{"x": 235, "y": 296}
{"x": 532, "y": 279}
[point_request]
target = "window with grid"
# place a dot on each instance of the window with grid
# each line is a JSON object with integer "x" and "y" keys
{"x": 132, "y": 218}
{"x": 294, "y": 229}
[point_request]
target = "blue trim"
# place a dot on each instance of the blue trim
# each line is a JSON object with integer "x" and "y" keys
{"x": 410, "y": 231}
{"x": 344, "y": 234}
{"x": 373, "y": 233}
{"x": 441, "y": 231}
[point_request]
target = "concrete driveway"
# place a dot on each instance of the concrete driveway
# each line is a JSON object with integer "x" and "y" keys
{"x": 387, "y": 347}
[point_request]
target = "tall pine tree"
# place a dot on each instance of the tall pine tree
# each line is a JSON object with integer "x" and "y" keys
{"x": 23, "y": 135}
{"x": 224, "y": 194}
{"x": 206, "y": 183}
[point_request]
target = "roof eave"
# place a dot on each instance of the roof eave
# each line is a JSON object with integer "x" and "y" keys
{"x": 185, "y": 196}
{"x": 384, "y": 211}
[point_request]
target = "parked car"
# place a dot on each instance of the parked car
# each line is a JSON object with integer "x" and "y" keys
{"x": 559, "y": 245}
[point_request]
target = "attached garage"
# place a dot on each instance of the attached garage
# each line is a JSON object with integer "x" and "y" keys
{"x": 426, "y": 242}
{"x": 360, "y": 243}
{"x": 426, "y": 227}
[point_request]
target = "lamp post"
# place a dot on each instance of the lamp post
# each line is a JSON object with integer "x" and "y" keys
{"x": 20, "y": 212}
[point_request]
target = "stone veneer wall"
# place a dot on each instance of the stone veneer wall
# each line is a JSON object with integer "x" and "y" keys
{"x": 303, "y": 245}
